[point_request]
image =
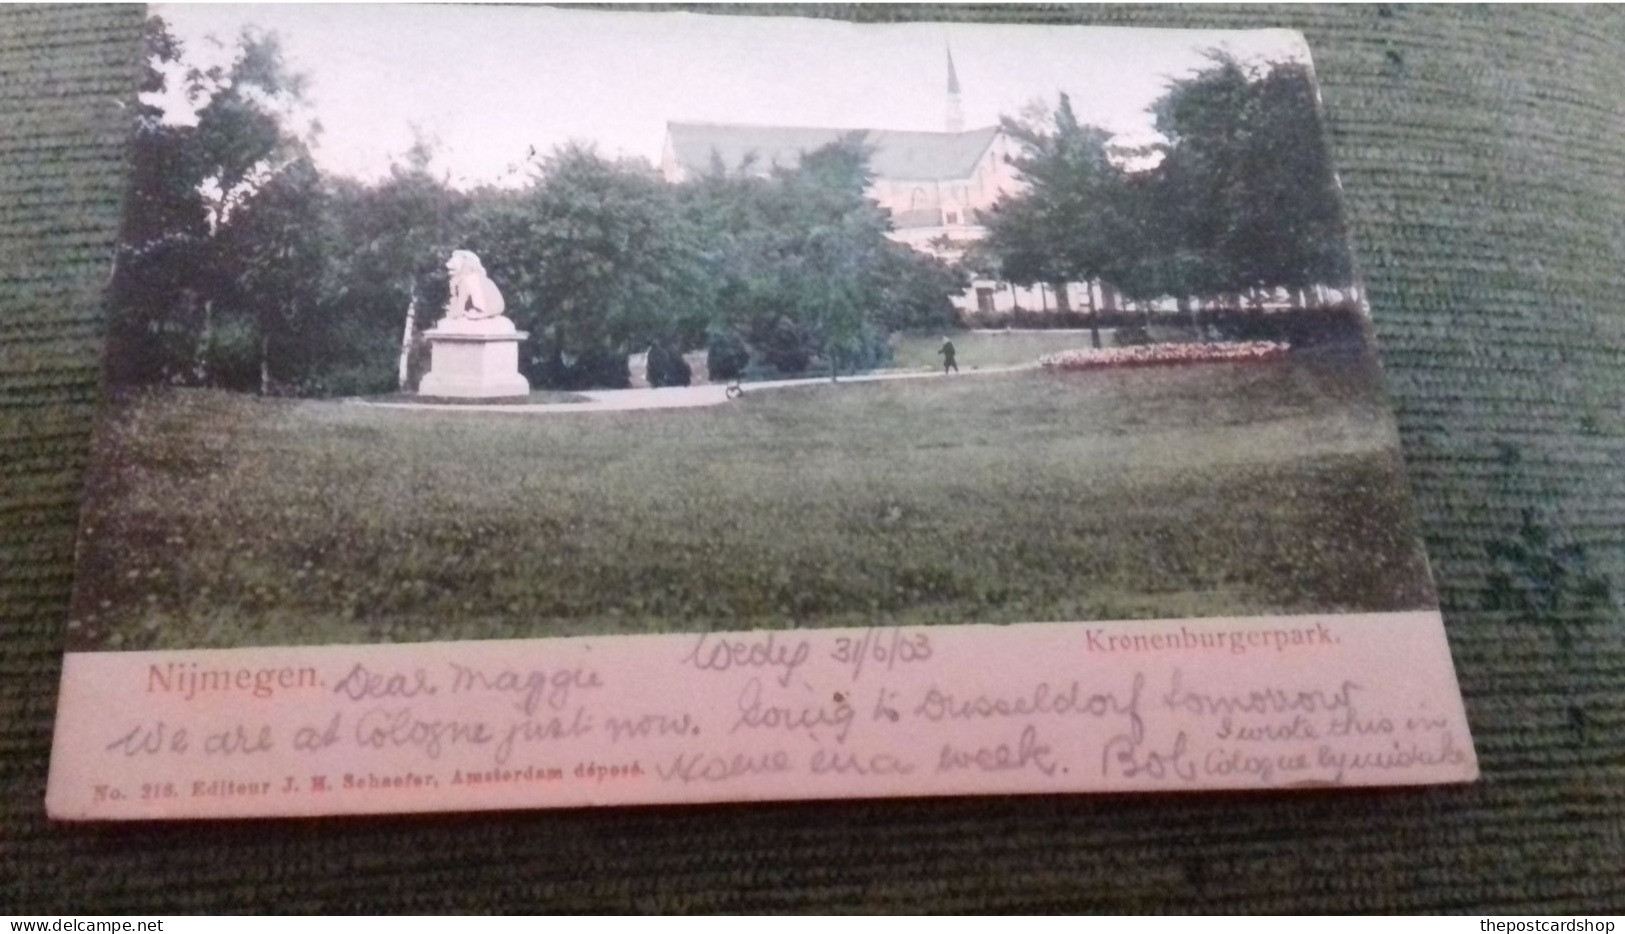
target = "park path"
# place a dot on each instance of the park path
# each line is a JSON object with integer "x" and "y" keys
{"x": 678, "y": 397}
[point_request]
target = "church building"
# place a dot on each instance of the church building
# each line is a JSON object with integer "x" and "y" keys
{"x": 937, "y": 186}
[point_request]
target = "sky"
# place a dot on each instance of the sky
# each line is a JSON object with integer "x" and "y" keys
{"x": 488, "y": 84}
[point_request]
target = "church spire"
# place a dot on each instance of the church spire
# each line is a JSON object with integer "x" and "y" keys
{"x": 956, "y": 120}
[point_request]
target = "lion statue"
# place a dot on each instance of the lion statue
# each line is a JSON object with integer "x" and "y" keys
{"x": 473, "y": 295}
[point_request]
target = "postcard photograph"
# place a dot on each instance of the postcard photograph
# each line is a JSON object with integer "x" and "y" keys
{"x": 438, "y": 325}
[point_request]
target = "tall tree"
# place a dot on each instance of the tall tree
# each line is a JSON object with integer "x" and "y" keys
{"x": 1238, "y": 196}
{"x": 389, "y": 261}
{"x": 1286, "y": 222}
{"x": 276, "y": 249}
{"x": 918, "y": 289}
{"x": 1246, "y": 195}
{"x": 152, "y": 313}
{"x": 834, "y": 256}
{"x": 1067, "y": 225}
{"x": 246, "y": 144}
{"x": 594, "y": 260}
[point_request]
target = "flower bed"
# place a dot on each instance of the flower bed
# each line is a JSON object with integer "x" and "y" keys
{"x": 1161, "y": 354}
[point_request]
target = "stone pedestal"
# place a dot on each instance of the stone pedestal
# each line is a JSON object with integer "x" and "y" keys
{"x": 474, "y": 359}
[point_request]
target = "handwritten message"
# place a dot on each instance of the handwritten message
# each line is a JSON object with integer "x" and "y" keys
{"x": 1249, "y": 703}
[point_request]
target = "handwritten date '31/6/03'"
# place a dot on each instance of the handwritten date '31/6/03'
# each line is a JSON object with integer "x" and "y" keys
{"x": 887, "y": 648}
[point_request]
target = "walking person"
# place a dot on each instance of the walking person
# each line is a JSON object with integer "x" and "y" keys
{"x": 947, "y": 351}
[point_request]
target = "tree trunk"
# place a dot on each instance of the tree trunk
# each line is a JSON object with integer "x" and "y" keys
{"x": 1094, "y": 313}
{"x": 205, "y": 338}
{"x": 265, "y": 363}
{"x": 404, "y": 367}
{"x": 1185, "y": 305}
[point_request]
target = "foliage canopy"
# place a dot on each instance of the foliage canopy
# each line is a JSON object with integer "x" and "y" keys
{"x": 243, "y": 265}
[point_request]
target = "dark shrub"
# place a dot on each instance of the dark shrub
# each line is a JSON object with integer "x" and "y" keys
{"x": 785, "y": 346}
{"x": 594, "y": 369}
{"x": 232, "y": 355}
{"x": 1130, "y": 335}
{"x": 667, "y": 367}
{"x": 602, "y": 368}
{"x": 1072, "y": 319}
{"x": 1341, "y": 324}
{"x": 353, "y": 380}
{"x": 918, "y": 290}
{"x": 991, "y": 320}
{"x": 726, "y": 355}
{"x": 872, "y": 349}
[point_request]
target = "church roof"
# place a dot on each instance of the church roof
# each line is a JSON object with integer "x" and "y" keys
{"x": 899, "y": 154}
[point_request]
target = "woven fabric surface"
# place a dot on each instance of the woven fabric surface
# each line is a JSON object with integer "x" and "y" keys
{"x": 1482, "y": 152}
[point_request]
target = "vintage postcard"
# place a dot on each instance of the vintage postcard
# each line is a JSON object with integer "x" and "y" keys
{"x": 514, "y": 407}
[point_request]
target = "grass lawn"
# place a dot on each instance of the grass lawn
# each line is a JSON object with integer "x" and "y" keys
{"x": 224, "y": 520}
{"x": 977, "y": 350}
